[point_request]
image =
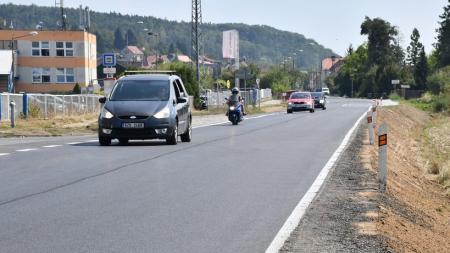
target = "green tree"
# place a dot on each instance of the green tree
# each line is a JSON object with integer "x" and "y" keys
{"x": 443, "y": 38}
{"x": 380, "y": 34}
{"x": 414, "y": 48}
{"x": 119, "y": 42}
{"x": 421, "y": 71}
{"x": 131, "y": 38}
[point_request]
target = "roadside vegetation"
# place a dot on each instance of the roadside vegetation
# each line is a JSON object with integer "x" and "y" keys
{"x": 73, "y": 125}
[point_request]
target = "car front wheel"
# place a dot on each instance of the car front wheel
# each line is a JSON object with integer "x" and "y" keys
{"x": 173, "y": 139}
{"x": 104, "y": 141}
{"x": 187, "y": 136}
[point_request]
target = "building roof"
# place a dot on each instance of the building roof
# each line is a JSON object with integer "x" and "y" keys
{"x": 328, "y": 63}
{"x": 184, "y": 58}
{"x": 134, "y": 50}
{"x": 6, "y": 62}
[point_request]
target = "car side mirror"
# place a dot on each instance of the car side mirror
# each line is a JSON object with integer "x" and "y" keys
{"x": 102, "y": 100}
{"x": 181, "y": 100}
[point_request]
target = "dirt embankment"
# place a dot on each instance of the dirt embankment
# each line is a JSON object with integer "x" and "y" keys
{"x": 414, "y": 214}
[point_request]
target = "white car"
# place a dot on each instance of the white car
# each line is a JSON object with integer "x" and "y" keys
{"x": 326, "y": 90}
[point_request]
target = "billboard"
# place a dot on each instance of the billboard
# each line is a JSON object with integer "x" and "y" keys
{"x": 230, "y": 47}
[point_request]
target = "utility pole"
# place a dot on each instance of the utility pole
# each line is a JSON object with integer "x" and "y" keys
{"x": 196, "y": 35}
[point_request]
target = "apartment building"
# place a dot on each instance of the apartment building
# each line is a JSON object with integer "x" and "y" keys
{"x": 51, "y": 61}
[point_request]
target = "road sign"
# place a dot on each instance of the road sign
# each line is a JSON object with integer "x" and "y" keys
{"x": 395, "y": 82}
{"x": 258, "y": 81}
{"x": 405, "y": 86}
{"x": 109, "y": 70}
{"x": 109, "y": 59}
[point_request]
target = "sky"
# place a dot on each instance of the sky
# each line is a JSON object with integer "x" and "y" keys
{"x": 332, "y": 23}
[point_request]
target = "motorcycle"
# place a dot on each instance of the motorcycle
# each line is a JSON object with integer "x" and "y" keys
{"x": 235, "y": 114}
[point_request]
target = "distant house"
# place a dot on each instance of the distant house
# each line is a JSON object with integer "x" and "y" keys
{"x": 131, "y": 55}
{"x": 330, "y": 65}
{"x": 51, "y": 61}
{"x": 5, "y": 69}
{"x": 151, "y": 59}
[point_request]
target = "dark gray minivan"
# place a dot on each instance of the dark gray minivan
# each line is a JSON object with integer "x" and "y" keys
{"x": 146, "y": 106}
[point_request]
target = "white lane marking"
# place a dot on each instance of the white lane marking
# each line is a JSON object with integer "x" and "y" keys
{"x": 52, "y": 146}
{"x": 226, "y": 122}
{"x": 296, "y": 215}
{"x": 73, "y": 143}
{"x": 27, "y": 150}
{"x": 90, "y": 141}
{"x": 4, "y": 154}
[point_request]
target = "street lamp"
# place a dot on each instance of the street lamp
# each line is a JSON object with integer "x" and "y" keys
{"x": 13, "y": 71}
{"x": 157, "y": 42}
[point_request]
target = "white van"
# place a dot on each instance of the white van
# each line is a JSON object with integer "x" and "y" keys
{"x": 326, "y": 90}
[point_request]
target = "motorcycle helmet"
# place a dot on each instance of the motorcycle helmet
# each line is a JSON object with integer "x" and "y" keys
{"x": 235, "y": 90}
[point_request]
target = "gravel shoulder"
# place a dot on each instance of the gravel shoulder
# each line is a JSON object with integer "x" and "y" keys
{"x": 343, "y": 216}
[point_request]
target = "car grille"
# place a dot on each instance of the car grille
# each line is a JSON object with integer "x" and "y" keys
{"x": 129, "y": 117}
{"x": 299, "y": 103}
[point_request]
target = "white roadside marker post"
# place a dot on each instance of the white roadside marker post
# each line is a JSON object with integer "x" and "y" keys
{"x": 382, "y": 156}
{"x": 370, "y": 126}
{"x": 374, "y": 114}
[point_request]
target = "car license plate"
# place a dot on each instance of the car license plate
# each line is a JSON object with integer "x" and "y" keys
{"x": 133, "y": 125}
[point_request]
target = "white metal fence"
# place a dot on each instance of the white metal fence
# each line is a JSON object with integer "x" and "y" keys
{"x": 49, "y": 106}
{"x": 254, "y": 96}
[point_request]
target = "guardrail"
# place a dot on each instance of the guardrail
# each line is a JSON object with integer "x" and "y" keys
{"x": 47, "y": 106}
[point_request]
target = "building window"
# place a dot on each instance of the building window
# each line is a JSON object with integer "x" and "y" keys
{"x": 40, "y": 48}
{"x": 64, "y": 48}
{"x": 65, "y": 75}
{"x": 41, "y": 75}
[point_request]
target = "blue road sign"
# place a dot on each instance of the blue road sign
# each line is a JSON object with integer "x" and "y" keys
{"x": 109, "y": 59}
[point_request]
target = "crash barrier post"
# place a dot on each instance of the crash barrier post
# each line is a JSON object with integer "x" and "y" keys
{"x": 371, "y": 127}
{"x": 382, "y": 156}
{"x": 12, "y": 107}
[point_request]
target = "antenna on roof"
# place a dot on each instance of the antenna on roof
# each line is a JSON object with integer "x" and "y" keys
{"x": 63, "y": 23}
{"x": 88, "y": 18}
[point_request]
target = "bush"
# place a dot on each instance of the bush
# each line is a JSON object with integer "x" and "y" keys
{"x": 441, "y": 103}
{"x": 440, "y": 81}
{"x": 76, "y": 89}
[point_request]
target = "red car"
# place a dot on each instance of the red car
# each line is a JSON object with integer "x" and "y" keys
{"x": 300, "y": 101}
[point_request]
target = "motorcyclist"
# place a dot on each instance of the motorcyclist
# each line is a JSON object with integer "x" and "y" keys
{"x": 235, "y": 98}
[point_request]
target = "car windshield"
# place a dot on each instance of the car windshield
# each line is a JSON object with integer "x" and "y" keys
{"x": 316, "y": 94}
{"x": 299, "y": 95}
{"x": 141, "y": 90}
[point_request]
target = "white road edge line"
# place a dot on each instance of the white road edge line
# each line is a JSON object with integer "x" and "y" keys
{"x": 52, "y": 146}
{"x": 296, "y": 215}
{"x": 27, "y": 150}
{"x": 73, "y": 143}
{"x": 4, "y": 154}
{"x": 225, "y": 122}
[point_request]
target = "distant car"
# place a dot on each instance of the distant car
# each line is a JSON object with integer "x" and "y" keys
{"x": 320, "y": 100}
{"x": 300, "y": 101}
{"x": 326, "y": 90}
{"x": 146, "y": 106}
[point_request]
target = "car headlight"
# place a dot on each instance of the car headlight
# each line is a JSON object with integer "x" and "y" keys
{"x": 289, "y": 103}
{"x": 106, "y": 114}
{"x": 232, "y": 108}
{"x": 163, "y": 114}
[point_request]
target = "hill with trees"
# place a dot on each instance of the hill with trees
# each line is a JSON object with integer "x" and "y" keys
{"x": 260, "y": 44}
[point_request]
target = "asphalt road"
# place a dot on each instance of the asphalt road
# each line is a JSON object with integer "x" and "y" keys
{"x": 230, "y": 190}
